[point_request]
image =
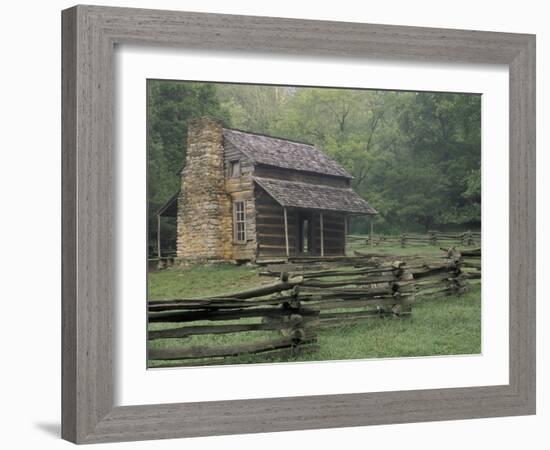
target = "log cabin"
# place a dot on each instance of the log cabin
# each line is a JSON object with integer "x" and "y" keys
{"x": 247, "y": 197}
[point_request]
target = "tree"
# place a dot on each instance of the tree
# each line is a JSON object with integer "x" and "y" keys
{"x": 415, "y": 156}
{"x": 254, "y": 107}
{"x": 170, "y": 106}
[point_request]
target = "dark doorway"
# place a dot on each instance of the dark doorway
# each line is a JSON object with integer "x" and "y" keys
{"x": 305, "y": 234}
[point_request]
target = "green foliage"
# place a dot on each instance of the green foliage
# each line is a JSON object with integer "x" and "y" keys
{"x": 200, "y": 281}
{"x": 415, "y": 156}
{"x": 170, "y": 106}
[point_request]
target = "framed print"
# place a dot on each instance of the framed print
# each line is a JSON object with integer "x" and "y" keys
{"x": 308, "y": 224}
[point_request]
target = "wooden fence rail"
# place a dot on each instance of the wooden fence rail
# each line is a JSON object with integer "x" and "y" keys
{"x": 436, "y": 238}
{"x": 307, "y": 296}
{"x": 275, "y": 307}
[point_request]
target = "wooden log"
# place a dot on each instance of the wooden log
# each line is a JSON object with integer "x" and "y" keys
{"x": 293, "y": 321}
{"x": 249, "y": 293}
{"x": 271, "y": 247}
{"x": 388, "y": 300}
{"x": 296, "y": 268}
{"x": 266, "y": 262}
{"x": 418, "y": 275}
{"x": 289, "y": 352}
{"x": 270, "y": 289}
{"x": 334, "y": 225}
{"x": 275, "y": 242}
{"x": 215, "y": 304}
{"x": 472, "y": 275}
{"x": 286, "y": 232}
{"x": 209, "y": 352}
{"x": 280, "y": 236}
{"x": 326, "y": 258}
{"x": 233, "y": 314}
{"x": 217, "y": 315}
{"x": 367, "y": 291}
{"x": 274, "y": 218}
{"x": 340, "y": 316}
{"x": 471, "y": 252}
{"x": 269, "y": 209}
{"x": 343, "y": 273}
{"x": 350, "y": 282}
{"x": 268, "y": 227}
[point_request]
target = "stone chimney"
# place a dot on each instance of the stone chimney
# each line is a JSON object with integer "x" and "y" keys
{"x": 204, "y": 208}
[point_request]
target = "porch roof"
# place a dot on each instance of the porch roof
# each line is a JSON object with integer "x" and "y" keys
{"x": 295, "y": 194}
{"x": 170, "y": 207}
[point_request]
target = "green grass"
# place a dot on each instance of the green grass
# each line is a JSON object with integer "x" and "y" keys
{"x": 443, "y": 326}
{"x": 446, "y": 326}
{"x": 201, "y": 281}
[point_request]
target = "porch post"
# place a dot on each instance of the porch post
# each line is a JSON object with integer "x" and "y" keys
{"x": 286, "y": 233}
{"x": 158, "y": 236}
{"x": 371, "y": 231}
{"x": 345, "y": 234}
{"x": 322, "y": 235}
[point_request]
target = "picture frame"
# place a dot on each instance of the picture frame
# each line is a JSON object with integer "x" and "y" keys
{"x": 89, "y": 36}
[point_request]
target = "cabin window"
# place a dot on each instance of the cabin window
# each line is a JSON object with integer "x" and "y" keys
{"x": 235, "y": 169}
{"x": 239, "y": 219}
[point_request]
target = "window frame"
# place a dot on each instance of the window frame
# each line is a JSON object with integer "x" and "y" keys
{"x": 236, "y": 163}
{"x": 237, "y": 221}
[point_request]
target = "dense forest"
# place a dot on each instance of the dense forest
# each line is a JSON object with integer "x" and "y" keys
{"x": 415, "y": 156}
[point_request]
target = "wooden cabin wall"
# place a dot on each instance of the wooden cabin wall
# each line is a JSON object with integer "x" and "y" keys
{"x": 304, "y": 177}
{"x": 265, "y": 228}
{"x": 271, "y": 232}
{"x": 241, "y": 189}
{"x": 270, "y": 227}
{"x": 333, "y": 232}
{"x": 232, "y": 153}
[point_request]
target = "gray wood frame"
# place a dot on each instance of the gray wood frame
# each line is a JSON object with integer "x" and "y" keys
{"x": 89, "y": 36}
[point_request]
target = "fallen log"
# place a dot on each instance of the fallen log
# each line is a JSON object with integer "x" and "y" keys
{"x": 294, "y": 320}
{"x": 389, "y": 300}
{"x": 210, "y": 352}
{"x": 181, "y": 304}
{"x": 269, "y": 355}
{"x": 231, "y": 314}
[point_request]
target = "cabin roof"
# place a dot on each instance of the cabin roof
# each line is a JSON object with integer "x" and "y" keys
{"x": 296, "y": 194}
{"x": 284, "y": 153}
{"x": 170, "y": 207}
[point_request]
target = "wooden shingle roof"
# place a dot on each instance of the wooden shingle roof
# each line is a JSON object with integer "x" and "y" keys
{"x": 296, "y": 194}
{"x": 283, "y": 153}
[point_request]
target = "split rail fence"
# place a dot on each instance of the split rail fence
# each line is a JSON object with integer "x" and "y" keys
{"x": 309, "y": 294}
{"x": 436, "y": 238}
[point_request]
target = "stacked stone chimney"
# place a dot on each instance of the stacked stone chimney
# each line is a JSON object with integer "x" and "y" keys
{"x": 204, "y": 208}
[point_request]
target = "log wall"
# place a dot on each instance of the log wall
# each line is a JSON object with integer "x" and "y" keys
{"x": 241, "y": 189}
{"x": 205, "y": 207}
{"x": 270, "y": 227}
{"x": 304, "y": 177}
{"x": 333, "y": 232}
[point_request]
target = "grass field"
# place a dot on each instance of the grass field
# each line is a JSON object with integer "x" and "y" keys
{"x": 443, "y": 326}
